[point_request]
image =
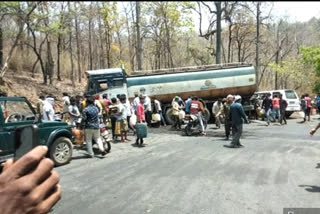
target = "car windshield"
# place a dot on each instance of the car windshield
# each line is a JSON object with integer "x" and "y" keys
{"x": 290, "y": 95}
{"x": 16, "y": 111}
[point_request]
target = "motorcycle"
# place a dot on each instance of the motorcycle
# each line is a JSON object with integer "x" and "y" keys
{"x": 193, "y": 125}
{"x": 104, "y": 133}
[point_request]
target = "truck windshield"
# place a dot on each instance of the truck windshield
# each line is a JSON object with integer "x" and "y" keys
{"x": 290, "y": 95}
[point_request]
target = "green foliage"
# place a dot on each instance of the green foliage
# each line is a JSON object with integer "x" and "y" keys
{"x": 311, "y": 56}
{"x": 295, "y": 70}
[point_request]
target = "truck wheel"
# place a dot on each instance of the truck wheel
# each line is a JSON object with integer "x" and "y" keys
{"x": 206, "y": 114}
{"x": 61, "y": 151}
{"x": 169, "y": 117}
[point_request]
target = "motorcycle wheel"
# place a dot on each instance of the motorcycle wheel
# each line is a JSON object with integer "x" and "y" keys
{"x": 188, "y": 130}
{"x": 107, "y": 145}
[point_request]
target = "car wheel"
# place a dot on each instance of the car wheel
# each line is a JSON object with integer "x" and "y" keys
{"x": 61, "y": 151}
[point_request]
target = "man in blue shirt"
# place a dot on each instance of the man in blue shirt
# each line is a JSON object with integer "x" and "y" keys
{"x": 237, "y": 116}
{"x": 92, "y": 129}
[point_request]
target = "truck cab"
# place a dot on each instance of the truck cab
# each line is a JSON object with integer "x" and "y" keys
{"x": 16, "y": 112}
{"x": 107, "y": 81}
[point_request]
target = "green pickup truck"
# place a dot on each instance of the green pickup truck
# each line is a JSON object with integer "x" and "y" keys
{"x": 16, "y": 112}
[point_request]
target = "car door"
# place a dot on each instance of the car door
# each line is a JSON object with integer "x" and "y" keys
{"x": 15, "y": 112}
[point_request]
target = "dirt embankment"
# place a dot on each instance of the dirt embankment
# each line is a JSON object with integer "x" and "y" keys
{"x": 23, "y": 85}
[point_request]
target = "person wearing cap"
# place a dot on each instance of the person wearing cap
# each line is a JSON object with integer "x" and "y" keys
{"x": 237, "y": 116}
{"x": 225, "y": 110}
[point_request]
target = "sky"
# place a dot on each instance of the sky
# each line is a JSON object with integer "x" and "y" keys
{"x": 297, "y": 11}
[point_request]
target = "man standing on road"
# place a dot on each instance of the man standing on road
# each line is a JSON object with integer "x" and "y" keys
{"x": 148, "y": 109}
{"x": 136, "y": 102}
{"x": 283, "y": 106}
{"x": 48, "y": 109}
{"x": 309, "y": 106}
{"x": 226, "y": 112}
{"x": 66, "y": 103}
{"x": 237, "y": 116}
{"x": 216, "y": 108}
{"x": 267, "y": 106}
{"x": 175, "y": 113}
{"x": 40, "y": 105}
{"x": 92, "y": 129}
{"x": 74, "y": 113}
{"x": 276, "y": 107}
{"x": 158, "y": 110}
{"x": 196, "y": 108}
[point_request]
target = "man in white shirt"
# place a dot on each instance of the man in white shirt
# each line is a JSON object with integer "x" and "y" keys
{"x": 66, "y": 103}
{"x": 158, "y": 110}
{"x": 74, "y": 112}
{"x": 136, "y": 102}
{"x": 216, "y": 108}
{"x": 48, "y": 110}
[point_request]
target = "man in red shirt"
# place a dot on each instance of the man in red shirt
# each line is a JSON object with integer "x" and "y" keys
{"x": 276, "y": 108}
{"x": 309, "y": 106}
{"x": 196, "y": 108}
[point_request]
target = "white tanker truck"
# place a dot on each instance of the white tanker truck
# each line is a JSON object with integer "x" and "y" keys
{"x": 208, "y": 82}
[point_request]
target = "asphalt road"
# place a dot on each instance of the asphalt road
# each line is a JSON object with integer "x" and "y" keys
{"x": 279, "y": 167}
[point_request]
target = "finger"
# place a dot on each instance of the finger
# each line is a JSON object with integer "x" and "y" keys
{"x": 44, "y": 190}
{"x": 42, "y": 172}
{"x": 7, "y": 164}
{"x": 27, "y": 162}
{"x": 47, "y": 204}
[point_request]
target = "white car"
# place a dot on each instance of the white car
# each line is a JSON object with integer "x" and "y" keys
{"x": 289, "y": 95}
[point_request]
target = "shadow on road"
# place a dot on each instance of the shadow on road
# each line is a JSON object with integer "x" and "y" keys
{"x": 318, "y": 166}
{"x": 311, "y": 188}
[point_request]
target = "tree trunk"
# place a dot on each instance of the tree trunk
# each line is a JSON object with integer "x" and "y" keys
{"x": 50, "y": 61}
{"x": 218, "y": 42}
{"x": 70, "y": 48}
{"x": 101, "y": 44}
{"x": 1, "y": 47}
{"x": 90, "y": 43}
{"x": 257, "y": 46}
{"x": 78, "y": 48}
{"x": 229, "y": 43}
{"x": 139, "y": 45}
{"x": 58, "y": 57}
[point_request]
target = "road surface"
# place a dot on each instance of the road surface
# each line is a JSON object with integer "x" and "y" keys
{"x": 279, "y": 167}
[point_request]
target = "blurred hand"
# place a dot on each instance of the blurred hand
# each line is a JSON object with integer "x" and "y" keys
{"x": 312, "y": 132}
{"x": 29, "y": 185}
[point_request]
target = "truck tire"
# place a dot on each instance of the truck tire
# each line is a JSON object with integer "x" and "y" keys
{"x": 61, "y": 151}
{"x": 206, "y": 114}
{"x": 168, "y": 115}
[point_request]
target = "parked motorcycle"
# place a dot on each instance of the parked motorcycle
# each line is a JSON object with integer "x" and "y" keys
{"x": 193, "y": 125}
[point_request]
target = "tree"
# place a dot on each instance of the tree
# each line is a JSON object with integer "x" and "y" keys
{"x": 139, "y": 41}
{"x": 22, "y": 13}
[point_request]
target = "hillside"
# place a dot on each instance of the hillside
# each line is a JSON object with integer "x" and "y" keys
{"x": 23, "y": 85}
